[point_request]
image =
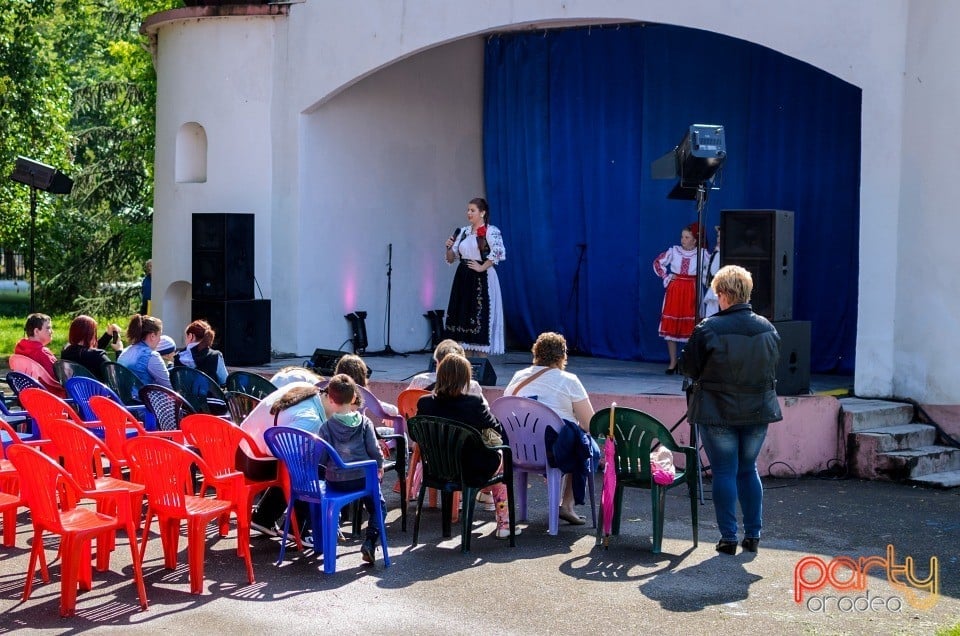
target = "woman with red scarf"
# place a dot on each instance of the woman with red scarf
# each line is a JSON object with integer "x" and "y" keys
{"x": 475, "y": 311}
{"x": 678, "y": 268}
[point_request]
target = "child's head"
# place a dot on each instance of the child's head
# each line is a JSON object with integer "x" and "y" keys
{"x": 355, "y": 367}
{"x": 342, "y": 392}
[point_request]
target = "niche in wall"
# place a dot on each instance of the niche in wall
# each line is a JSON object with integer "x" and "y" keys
{"x": 191, "y": 158}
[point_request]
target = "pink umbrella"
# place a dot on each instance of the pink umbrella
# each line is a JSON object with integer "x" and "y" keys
{"x": 609, "y": 481}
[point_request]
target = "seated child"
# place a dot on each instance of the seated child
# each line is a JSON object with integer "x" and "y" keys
{"x": 352, "y": 435}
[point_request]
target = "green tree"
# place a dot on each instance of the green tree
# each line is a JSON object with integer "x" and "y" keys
{"x": 92, "y": 98}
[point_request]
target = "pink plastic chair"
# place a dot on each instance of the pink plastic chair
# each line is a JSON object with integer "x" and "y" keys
{"x": 525, "y": 422}
{"x": 35, "y": 370}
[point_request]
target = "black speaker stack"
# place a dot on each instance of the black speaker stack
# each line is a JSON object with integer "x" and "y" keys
{"x": 761, "y": 241}
{"x": 223, "y": 266}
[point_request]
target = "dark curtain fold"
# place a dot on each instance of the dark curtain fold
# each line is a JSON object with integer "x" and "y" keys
{"x": 572, "y": 120}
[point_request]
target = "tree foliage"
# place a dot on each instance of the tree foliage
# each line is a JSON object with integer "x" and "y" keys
{"x": 78, "y": 91}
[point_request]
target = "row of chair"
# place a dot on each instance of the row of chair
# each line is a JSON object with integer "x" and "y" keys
{"x": 202, "y": 392}
{"x": 636, "y": 434}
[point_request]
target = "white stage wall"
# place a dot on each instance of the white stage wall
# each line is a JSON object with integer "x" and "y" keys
{"x": 322, "y": 110}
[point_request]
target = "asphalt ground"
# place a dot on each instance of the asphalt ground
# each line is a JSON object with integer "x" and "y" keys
{"x": 549, "y": 584}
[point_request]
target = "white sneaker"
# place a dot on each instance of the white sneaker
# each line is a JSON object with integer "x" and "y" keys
{"x": 486, "y": 499}
{"x": 307, "y": 540}
{"x": 504, "y": 533}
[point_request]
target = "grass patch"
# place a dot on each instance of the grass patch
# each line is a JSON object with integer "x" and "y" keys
{"x": 11, "y": 331}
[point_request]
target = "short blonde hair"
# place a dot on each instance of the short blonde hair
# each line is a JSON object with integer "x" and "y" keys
{"x": 735, "y": 282}
{"x": 550, "y": 350}
{"x": 445, "y": 348}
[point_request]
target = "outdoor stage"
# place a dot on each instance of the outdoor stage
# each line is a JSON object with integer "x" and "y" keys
{"x": 806, "y": 441}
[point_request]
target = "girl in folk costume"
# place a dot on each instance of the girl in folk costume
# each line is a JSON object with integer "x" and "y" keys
{"x": 678, "y": 268}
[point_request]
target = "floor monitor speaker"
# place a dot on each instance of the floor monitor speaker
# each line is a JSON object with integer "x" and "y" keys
{"x": 482, "y": 370}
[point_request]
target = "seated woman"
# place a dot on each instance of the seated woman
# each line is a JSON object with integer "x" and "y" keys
{"x": 141, "y": 356}
{"x": 548, "y": 382}
{"x": 85, "y": 349}
{"x": 356, "y": 368}
{"x": 429, "y": 380}
{"x": 199, "y": 355}
{"x": 39, "y": 332}
{"x": 449, "y": 400}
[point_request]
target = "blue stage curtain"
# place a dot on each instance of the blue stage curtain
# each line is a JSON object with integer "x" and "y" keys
{"x": 572, "y": 120}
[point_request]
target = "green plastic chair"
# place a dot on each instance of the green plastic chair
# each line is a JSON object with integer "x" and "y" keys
{"x": 200, "y": 390}
{"x": 64, "y": 370}
{"x": 442, "y": 443}
{"x": 123, "y": 381}
{"x": 250, "y": 383}
{"x": 635, "y": 434}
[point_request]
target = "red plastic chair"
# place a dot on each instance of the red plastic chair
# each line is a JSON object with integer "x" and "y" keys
{"x": 10, "y": 482}
{"x": 83, "y": 454}
{"x": 52, "y": 495}
{"x": 114, "y": 421}
{"x": 407, "y": 404}
{"x": 44, "y": 406}
{"x": 165, "y": 467}
{"x": 219, "y": 442}
{"x": 35, "y": 370}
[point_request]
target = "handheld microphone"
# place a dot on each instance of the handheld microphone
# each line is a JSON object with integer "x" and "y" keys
{"x": 456, "y": 233}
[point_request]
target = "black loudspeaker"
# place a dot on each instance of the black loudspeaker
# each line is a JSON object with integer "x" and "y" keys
{"x": 223, "y": 255}
{"x": 761, "y": 241}
{"x": 793, "y": 371}
{"x": 242, "y": 326}
{"x": 483, "y": 371}
{"x": 324, "y": 361}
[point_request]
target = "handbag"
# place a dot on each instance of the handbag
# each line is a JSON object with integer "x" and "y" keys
{"x": 491, "y": 437}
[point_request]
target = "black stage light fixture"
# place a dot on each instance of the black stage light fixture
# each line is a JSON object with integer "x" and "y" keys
{"x": 39, "y": 176}
{"x": 435, "y": 317}
{"x": 358, "y": 326}
{"x": 694, "y": 161}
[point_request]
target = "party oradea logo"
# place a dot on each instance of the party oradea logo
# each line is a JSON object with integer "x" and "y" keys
{"x": 848, "y": 577}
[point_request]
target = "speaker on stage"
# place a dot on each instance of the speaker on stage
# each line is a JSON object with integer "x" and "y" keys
{"x": 324, "y": 361}
{"x": 761, "y": 241}
{"x": 223, "y": 256}
{"x": 242, "y": 326}
{"x": 482, "y": 370}
{"x": 793, "y": 370}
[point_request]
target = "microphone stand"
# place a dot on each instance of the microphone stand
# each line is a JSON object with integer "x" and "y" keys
{"x": 387, "y": 351}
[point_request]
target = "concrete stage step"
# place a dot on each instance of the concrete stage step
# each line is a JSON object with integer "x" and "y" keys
{"x": 860, "y": 414}
{"x": 947, "y": 479}
{"x": 917, "y": 462}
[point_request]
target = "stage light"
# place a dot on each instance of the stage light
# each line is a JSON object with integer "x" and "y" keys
{"x": 694, "y": 161}
{"x": 435, "y": 317}
{"x": 39, "y": 176}
{"x": 358, "y": 325}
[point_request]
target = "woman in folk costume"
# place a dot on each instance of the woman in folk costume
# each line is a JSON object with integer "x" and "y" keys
{"x": 475, "y": 311}
{"x": 677, "y": 266}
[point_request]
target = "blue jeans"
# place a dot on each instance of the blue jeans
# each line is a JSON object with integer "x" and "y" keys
{"x": 733, "y": 451}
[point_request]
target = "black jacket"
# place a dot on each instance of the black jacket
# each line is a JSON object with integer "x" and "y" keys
{"x": 469, "y": 410}
{"x": 205, "y": 360}
{"x": 89, "y": 357}
{"x": 732, "y": 359}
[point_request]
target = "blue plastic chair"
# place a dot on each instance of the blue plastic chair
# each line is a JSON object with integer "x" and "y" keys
{"x": 81, "y": 389}
{"x": 302, "y": 453}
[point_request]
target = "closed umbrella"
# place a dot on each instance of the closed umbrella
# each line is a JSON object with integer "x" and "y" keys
{"x": 609, "y": 481}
